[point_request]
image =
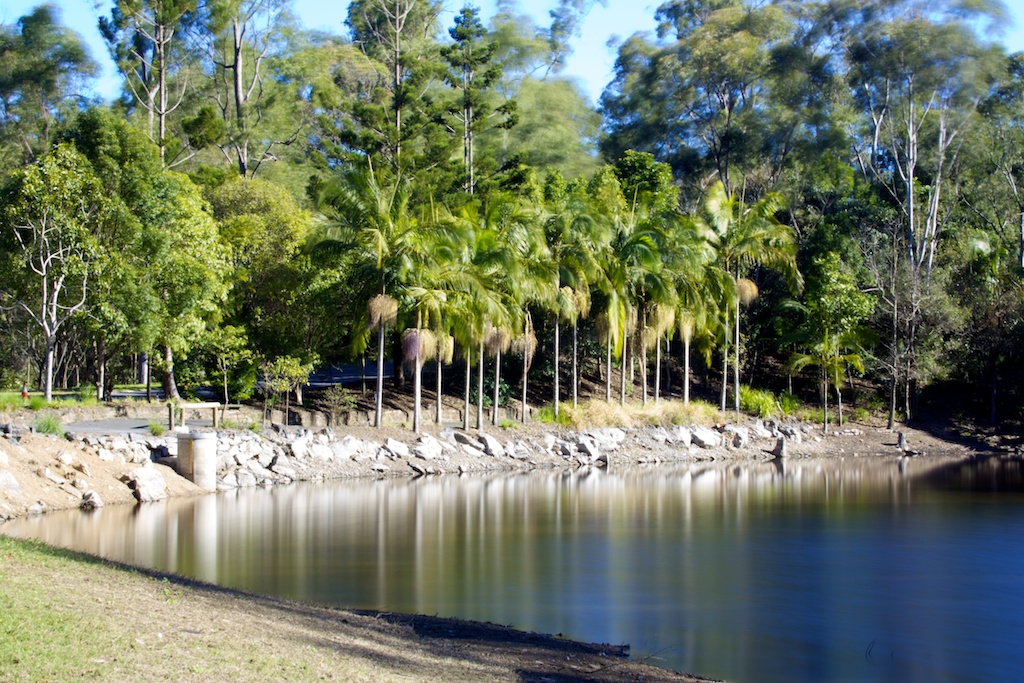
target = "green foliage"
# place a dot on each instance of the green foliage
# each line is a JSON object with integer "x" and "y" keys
{"x": 36, "y": 403}
{"x": 546, "y": 414}
{"x": 336, "y": 400}
{"x": 789, "y": 403}
{"x": 157, "y": 428}
{"x": 758, "y": 401}
{"x": 49, "y": 424}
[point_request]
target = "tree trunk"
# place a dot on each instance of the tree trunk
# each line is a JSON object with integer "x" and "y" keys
{"x": 556, "y": 367}
{"x": 643, "y": 369}
{"x": 51, "y": 343}
{"x": 824, "y": 403}
{"x": 575, "y": 363}
{"x": 170, "y": 386}
{"x": 657, "y": 373}
{"x": 417, "y": 416}
{"x": 736, "y": 364}
{"x": 686, "y": 371}
{"x": 622, "y": 379}
{"x": 379, "y": 398}
{"x": 439, "y": 410}
{"x": 480, "y": 389}
{"x": 608, "y": 375}
{"x": 526, "y": 367}
{"x": 469, "y": 371}
{"x": 839, "y": 405}
{"x": 497, "y": 386}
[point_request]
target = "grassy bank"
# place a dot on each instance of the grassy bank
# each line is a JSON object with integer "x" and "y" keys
{"x": 68, "y": 616}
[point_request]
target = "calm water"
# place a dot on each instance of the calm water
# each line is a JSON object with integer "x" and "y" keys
{"x": 826, "y": 571}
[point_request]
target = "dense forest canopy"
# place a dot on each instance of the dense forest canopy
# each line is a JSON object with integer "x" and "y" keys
{"x": 768, "y": 193}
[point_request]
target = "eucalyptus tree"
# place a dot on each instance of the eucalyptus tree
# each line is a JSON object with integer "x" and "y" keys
{"x": 44, "y": 68}
{"x": 241, "y": 40}
{"x": 918, "y": 77}
{"x": 51, "y": 212}
{"x": 697, "y": 96}
{"x": 743, "y": 236}
{"x": 146, "y": 39}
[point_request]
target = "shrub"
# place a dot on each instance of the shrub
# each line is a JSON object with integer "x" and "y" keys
{"x": 36, "y": 403}
{"x": 789, "y": 403}
{"x": 49, "y": 424}
{"x": 860, "y": 414}
{"x": 546, "y": 414}
{"x": 758, "y": 401}
{"x": 156, "y": 428}
{"x": 336, "y": 400}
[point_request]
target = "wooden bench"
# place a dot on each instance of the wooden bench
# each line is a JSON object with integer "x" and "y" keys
{"x": 178, "y": 409}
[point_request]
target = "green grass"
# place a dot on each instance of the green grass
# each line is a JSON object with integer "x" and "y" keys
{"x": 10, "y": 400}
{"x": 49, "y": 424}
{"x": 156, "y": 428}
{"x": 546, "y": 414}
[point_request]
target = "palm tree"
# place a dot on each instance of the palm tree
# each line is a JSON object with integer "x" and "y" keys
{"x": 575, "y": 238}
{"x": 743, "y": 236}
{"x": 372, "y": 217}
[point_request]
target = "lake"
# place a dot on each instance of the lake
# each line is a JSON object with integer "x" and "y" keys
{"x": 833, "y": 570}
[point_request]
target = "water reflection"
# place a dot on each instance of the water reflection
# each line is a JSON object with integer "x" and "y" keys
{"x": 786, "y": 570}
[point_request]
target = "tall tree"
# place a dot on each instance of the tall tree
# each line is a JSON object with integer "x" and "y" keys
{"x": 145, "y": 40}
{"x": 50, "y": 212}
{"x": 472, "y": 72}
{"x": 43, "y": 68}
{"x": 918, "y": 78}
{"x": 743, "y": 236}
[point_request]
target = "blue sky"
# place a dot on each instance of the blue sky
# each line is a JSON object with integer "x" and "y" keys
{"x": 591, "y": 64}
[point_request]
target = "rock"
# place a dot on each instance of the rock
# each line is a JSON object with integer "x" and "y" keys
{"x": 299, "y": 447}
{"x": 91, "y": 501}
{"x": 65, "y": 458}
{"x": 146, "y": 483}
{"x": 471, "y": 450}
{"x": 587, "y": 446}
{"x": 319, "y": 451}
{"x": 106, "y": 455}
{"x": 492, "y": 446}
{"x": 681, "y": 436}
{"x": 549, "y": 442}
{"x": 467, "y": 440}
{"x": 380, "y": 467}
{"x": 228, "y": 482}
{"x": 737, "y": 437}
{"x": 658, "y": 434}
{"x": 36, "y": 508}
{"x": 246, "y": 479}
{"x": 792, "y": 433}
{"x": 428, "y": 448}
{"x": 780, "y": 448}
{"x": 8, "y": 482}
{"x": 51, "y": 477}
{"x": 607, "y": 438}
{"x": 259, "y": 470}
{"x": 760, "y": 431}
{"x": 4, "y": 460}
{"x": 417, "y": 468}
{"x": 705, "y": 438}
{"x": 397, "y": 448}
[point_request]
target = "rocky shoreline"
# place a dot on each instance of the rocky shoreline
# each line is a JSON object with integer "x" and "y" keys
{"x": 40, "y": 473}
